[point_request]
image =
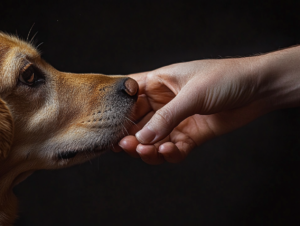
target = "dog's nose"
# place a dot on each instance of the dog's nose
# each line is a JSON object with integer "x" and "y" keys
{"x": 131, "y": 87}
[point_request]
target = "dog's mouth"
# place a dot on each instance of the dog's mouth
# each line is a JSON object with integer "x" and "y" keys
{"x": 114, "y": 132}
{"x": 67, "y": 154}
{"x": 71, "y": 154}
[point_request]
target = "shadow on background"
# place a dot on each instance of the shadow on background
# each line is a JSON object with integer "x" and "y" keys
{"x": 247, "y": 177}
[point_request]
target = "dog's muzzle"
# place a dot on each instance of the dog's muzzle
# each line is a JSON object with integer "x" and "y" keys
{"x": 126, "y": 90}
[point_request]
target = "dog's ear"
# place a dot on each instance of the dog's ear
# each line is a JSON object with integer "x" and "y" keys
{"x": 6, "y": 130}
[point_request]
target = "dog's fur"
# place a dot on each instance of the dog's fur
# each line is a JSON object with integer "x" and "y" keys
{"x": 45, "y": 126}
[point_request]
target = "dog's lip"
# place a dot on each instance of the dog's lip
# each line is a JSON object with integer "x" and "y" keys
{"x": 65, "y": 155}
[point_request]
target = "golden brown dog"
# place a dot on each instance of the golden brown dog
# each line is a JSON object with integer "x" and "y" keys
{"x": 50, "y": 119}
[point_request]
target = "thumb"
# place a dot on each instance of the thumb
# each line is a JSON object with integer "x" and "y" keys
{"x": 167, "y": 118}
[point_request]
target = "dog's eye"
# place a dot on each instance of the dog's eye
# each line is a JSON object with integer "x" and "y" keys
{"x": 27, "y": 76}
{"x": 30, "y": 76}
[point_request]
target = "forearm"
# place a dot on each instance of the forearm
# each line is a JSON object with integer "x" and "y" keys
{"x": 279, "y": 78}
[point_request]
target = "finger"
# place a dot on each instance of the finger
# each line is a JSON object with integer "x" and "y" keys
{"x": 141, "y": 108}
{"x": 136, "y": 127}
{"x": 168, "y": 117}
{"x": 129, "y": 144}
{"x": 171, "y": 153}
{"x": 149, "y": 154}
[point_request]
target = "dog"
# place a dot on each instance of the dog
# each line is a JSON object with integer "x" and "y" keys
{"x": 51, "y": 119}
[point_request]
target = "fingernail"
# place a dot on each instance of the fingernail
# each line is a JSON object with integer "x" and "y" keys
{"x": 138, "y": 151}
{"x": 145, "y": 135}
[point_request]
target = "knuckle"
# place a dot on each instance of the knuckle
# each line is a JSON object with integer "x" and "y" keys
{"x": 157, "y": 76}
{"x": 190, "y": 144}
{"x": 164, "y": 116}
{"x": 152, "y": 75}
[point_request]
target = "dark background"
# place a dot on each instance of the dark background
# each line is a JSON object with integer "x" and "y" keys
{"x": 247, "y": 177}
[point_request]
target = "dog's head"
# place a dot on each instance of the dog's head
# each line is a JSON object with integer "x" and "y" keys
{"x": 59, "y": 118}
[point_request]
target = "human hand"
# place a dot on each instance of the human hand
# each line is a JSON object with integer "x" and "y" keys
{"x": 183, "y": 105}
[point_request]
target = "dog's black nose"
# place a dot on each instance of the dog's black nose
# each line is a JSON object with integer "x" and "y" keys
{"x": 130, "y": 87}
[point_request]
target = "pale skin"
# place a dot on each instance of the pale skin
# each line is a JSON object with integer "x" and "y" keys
{"x": 183, "y": 105}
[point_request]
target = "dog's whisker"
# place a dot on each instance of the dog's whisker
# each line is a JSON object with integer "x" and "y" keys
{"x": 131, "y": 121}
{"x": 39, "y": 45}
{"x": 33, "y": 37}
{"x": 123, "y": 132}
{"x": 85, "y": 152}
{"x": 92, "y": 151}
{"x": 30, "y": 31}
{"x": 113, "y": 148}
{"x": 125, "y": 129}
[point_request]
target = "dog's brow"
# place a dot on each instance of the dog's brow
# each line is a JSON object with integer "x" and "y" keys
{"x": 11, "y": 41}
{"x": 11, "y": 64}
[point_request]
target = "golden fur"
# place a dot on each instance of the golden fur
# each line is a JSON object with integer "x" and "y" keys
{"x": 56, "y": 121}
{"x": 6, "y": 130}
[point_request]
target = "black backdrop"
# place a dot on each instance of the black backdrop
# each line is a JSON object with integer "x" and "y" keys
{"x": 247, "y": 177}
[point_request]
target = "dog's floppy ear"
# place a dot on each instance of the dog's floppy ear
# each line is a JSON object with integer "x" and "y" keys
{"x": 6, "y": 130}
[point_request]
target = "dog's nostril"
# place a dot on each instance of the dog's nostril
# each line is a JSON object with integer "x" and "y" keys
{"x": 131, "y": 87}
